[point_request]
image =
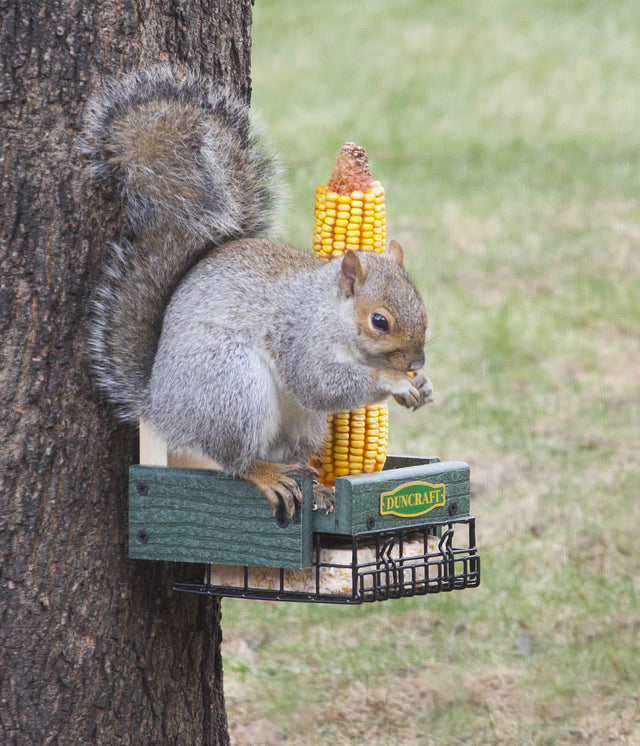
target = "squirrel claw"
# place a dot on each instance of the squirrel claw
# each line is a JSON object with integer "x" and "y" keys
{"x": 279, "y": 488}
{"x": 419, "y": 392}
{"x": 285, "y": 493}
{"x": 324, "y": 498}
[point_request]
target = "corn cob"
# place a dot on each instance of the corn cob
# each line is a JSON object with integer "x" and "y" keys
{"x": 350, "y": 209}
{"x": 350, "y": 214}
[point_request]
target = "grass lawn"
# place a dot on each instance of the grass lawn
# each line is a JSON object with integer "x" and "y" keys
{"x": 507, "y": 135}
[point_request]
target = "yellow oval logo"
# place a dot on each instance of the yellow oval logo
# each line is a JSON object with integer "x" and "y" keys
{"x": 412, "y": 499}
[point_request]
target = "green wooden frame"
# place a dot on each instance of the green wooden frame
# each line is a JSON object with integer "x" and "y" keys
{"x": 197, "y": 515}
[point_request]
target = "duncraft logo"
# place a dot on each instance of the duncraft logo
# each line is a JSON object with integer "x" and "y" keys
{"x": 412, "y": 499}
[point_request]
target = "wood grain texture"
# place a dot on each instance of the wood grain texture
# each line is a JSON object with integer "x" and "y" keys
{"x": 358, "y": 497}
{"x": 95, "y": 649}
{"x": 193, "y": 515}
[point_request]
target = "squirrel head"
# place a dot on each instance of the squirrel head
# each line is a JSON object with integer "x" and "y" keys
{"x": 388, "y": 312}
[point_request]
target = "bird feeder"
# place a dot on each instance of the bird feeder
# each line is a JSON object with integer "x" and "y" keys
{"x": 403, "y": 531}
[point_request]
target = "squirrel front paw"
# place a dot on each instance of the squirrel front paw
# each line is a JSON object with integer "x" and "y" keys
{"x": 424, "y": 386}
{"x": 412, "y": 391}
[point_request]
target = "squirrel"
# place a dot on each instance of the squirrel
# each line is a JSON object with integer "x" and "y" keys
{"x": 230, "y": 344}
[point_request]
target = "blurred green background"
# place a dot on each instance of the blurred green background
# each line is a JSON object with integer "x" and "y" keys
{"x": 507, "y": 135}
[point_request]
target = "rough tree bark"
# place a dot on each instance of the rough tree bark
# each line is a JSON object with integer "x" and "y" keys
{"x": 94, "y": 648}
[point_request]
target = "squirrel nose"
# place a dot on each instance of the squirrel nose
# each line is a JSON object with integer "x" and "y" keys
{"x": 418, "y": 361}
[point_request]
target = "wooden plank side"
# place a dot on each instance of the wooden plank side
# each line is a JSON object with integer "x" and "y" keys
{"x": 399, "y": 462}
{"x": 358, "y": 497}
{"x": 196, "y": 515}
{"x": 153, "y": 449}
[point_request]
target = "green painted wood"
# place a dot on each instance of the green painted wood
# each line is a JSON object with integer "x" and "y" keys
{"x": 398, "y": 462}
{"x": 358, "y": 498}
{"x": 196, "y": 515}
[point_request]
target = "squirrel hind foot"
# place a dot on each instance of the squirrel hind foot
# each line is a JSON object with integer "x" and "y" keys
{"x": 281, "y": 490}
{"x": 324, "y": 498}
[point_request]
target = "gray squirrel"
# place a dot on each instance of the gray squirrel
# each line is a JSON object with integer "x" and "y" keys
{"x": 230, "y": 345}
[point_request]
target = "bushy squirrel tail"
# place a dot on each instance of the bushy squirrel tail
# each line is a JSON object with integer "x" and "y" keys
{"x": 183, "y": 154}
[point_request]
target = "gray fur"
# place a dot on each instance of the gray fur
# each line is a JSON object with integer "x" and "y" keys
{"x": 257, "y": 347}
{"x": 235, "y": 349}
{"x": 221, "y": 182}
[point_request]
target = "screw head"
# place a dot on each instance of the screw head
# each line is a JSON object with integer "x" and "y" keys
{"x": 143, "y": 488}
{"x": 371, "y": 523}
{"x": 453, "y": 508}
{"x": 142, "y": 536}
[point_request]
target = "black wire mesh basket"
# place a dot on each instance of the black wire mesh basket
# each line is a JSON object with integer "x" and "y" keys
{"x": 369, "y": 566}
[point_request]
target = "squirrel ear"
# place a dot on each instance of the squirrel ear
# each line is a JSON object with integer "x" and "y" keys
{"x": 395, "y": 252}
{"x": 352, "y": 273}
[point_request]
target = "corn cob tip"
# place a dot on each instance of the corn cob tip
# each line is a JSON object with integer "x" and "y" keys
{"x": 350, "y": 208}
{"x": 352, "y": 171}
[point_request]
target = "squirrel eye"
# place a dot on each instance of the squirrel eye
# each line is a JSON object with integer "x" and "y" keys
{"x": 379, "y": 322}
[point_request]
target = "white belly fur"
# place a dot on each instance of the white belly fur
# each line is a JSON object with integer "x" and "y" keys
{"x": 293, "y": 432}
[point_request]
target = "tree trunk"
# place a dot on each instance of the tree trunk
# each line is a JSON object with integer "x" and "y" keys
{"x": 94, "y": 648}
